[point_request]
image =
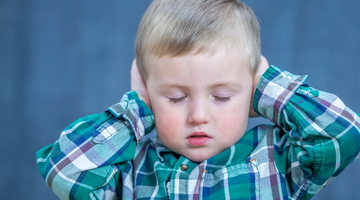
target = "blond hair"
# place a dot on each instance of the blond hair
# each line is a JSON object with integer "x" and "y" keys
{"x": 180, "y": 27}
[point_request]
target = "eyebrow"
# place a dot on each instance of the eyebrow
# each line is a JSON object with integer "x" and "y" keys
{"x": 215, "y": 85}
{"x": 226, "y": 84}
{"x": 172, "y": 85}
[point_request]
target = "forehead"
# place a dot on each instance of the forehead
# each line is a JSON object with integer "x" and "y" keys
{"x": 223, "y": 66}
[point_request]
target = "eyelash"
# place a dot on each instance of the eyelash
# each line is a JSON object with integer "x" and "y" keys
{"x": 177, "y": 100}
{"x": 220, "y": 99}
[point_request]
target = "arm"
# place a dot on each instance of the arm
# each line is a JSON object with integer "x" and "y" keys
{"x": 86, "y": 160}
{"x": 319, "y": 135}
{"x": 90, "y": 152}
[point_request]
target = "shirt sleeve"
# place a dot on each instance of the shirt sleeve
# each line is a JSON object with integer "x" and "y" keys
{"x": 84, "y": 160}
{"x": 319, "y": 136}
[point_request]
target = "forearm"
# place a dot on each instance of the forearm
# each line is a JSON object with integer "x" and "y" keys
{"x": 292, "y": 104}
{"x": 319, "y": 135}
{"x": 91, "y": 150}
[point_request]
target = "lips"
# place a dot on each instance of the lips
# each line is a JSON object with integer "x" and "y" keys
{"x": 198, "y": 139}
{"x": 198, "y": 134}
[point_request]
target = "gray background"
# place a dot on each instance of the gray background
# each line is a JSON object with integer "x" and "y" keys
{"x": 60, "y": 60}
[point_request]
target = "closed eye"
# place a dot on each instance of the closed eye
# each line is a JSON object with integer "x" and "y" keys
{"x": 177, "y": 100}
{"x": 222, "y": 99}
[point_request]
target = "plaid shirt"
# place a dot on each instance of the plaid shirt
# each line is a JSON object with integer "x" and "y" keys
{"x": 117, "y": 154}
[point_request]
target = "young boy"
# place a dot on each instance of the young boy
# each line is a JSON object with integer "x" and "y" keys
{"x": 181, "y": 132}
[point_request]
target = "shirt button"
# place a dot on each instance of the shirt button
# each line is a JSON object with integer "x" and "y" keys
{"x": 184, "y": 167}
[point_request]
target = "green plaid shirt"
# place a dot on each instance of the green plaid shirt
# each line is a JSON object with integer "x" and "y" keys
{"x": 118, "y": 155}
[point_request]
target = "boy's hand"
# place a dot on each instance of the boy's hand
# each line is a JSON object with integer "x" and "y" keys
{"x": 138, "y": 84}
{"x": 263, "y": 66}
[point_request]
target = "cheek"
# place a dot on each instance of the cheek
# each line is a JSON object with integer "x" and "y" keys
{"x": 232, "y": 126}
{"x": 233, "y": 121}
{"x": 168, "y": 126}
{"x": 168, "y": 123}
{"x": 165, "y": 117}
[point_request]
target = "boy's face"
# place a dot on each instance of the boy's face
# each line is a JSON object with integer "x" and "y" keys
{"x": 200, "y": 102}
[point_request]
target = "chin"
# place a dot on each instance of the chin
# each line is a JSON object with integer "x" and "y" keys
{"x": 198, "y": 157}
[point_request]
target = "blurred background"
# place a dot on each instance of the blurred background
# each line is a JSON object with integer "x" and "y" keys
{"x": 61, "y": 60}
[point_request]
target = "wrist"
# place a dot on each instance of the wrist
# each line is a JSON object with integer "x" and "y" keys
{"x": 273, "y": 92}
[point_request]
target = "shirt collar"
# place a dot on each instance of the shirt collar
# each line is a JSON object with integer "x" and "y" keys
{"x": 160, "y": 148}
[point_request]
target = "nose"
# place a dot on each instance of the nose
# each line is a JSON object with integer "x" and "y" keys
{"x": 199, "y": 113}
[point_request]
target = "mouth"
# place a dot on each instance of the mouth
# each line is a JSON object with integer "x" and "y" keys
{"x": 198, "y": 139}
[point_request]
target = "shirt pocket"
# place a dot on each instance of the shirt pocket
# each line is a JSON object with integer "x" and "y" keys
{"x": 238, "y": 181}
